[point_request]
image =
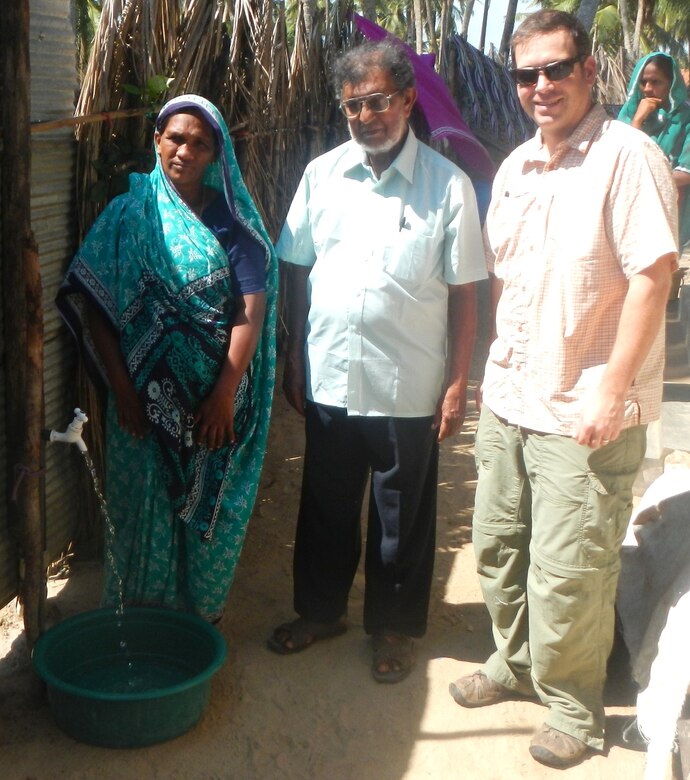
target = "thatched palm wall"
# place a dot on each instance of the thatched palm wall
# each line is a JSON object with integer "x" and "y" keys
{"x": 275, "y": 95}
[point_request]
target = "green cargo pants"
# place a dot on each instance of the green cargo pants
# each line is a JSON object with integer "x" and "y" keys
{"x": 550, "y": 516}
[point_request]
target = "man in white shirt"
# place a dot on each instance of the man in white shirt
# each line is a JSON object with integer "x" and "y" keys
{"x": 383, "y": 244}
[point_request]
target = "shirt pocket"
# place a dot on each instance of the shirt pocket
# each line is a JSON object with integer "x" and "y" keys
{"x": 506, "y": 224}
{"x": 411, "y": 256}
{"x": 327, "y": 232}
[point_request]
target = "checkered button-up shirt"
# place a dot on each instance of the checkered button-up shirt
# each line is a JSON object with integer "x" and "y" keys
{"x": 564, "y": 234}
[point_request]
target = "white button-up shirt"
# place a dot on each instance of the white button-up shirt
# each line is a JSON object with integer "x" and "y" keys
{"x": 382, "y": 253}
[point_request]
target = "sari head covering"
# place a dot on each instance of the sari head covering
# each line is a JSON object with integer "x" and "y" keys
{"x": 669, "y": 128}
{"x": 163, "y": 282}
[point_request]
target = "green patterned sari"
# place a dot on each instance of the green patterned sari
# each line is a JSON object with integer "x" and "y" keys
{"x": 163, "y": 282}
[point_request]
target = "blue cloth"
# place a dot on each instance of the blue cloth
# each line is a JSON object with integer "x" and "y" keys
{"x": 246, "y": 256}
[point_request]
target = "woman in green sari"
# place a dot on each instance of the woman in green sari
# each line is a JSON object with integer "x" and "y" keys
{"x": 657, "y": 104}
{"x": 172, "y": 297}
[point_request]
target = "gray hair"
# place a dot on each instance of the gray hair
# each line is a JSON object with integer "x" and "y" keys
{"x": 354, "y": 65}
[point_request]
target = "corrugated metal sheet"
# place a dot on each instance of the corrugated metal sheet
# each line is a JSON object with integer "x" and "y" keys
{"x": 53, "y": 88}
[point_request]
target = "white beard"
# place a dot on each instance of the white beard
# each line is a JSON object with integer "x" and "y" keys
{"x": 385, "y": 146}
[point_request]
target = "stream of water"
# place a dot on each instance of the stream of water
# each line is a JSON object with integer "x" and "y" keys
{"x": 125, "y": 664}
{"x": 110, "y": 530}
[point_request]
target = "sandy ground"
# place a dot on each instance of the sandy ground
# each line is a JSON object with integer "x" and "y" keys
{"x": 318, "y": 714}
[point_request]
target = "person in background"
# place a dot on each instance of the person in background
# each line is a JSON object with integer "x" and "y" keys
{"x": 581, "y": 241}
{"x": 383, "y": 247}
{"x": 657, "y": 104}
{"x": 172, "y": 297}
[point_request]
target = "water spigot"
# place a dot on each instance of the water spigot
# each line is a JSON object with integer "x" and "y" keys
{"x": 72, "y": 435}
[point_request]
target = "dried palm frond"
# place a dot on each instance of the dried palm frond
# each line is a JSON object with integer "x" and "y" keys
{"x": 133, "y": 43}
{"x": 611, "y": 85}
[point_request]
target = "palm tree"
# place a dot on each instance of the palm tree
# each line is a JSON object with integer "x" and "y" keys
{"x": 665, "y": 25}
{"x": 309, "y": 15}
{"x": 85, "y": 14}
{"x": 504, "y": 48}
{"x": 625, "y": 25}
{"x": 466, "y": 17}
{"x": 658, "y": 24}
{"x": 420, "y": 23}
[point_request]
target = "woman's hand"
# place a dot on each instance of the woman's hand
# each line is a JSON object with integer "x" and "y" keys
{"x": 215, "y": 419}
{"x": 131, "y": 415}
{"x": 646, "y": 107}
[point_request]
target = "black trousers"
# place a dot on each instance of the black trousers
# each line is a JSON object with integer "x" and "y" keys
{"x": 402, "y": 456}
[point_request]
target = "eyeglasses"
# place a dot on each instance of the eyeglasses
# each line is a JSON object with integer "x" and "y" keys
{"x": 376, "y": 102}
{"x": 554, "y": 71}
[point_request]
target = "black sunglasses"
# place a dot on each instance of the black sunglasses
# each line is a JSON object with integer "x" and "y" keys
{"x": 554, "y": 71}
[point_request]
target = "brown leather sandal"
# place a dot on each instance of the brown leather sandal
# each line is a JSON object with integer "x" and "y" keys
{"x": 299, "y": 634}
{"x": 396, "y": 652}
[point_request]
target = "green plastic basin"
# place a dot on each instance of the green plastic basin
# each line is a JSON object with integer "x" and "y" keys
{"x": 128, "y": 680}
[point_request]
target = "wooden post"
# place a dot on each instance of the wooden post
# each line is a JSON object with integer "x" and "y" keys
{"x": 23, "y": 316}
{"x": 485, "y": 19}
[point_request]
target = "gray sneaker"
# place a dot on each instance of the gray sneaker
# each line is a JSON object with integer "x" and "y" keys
{"x": 478, "y": 690}
{"x": 557, "y": 749}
